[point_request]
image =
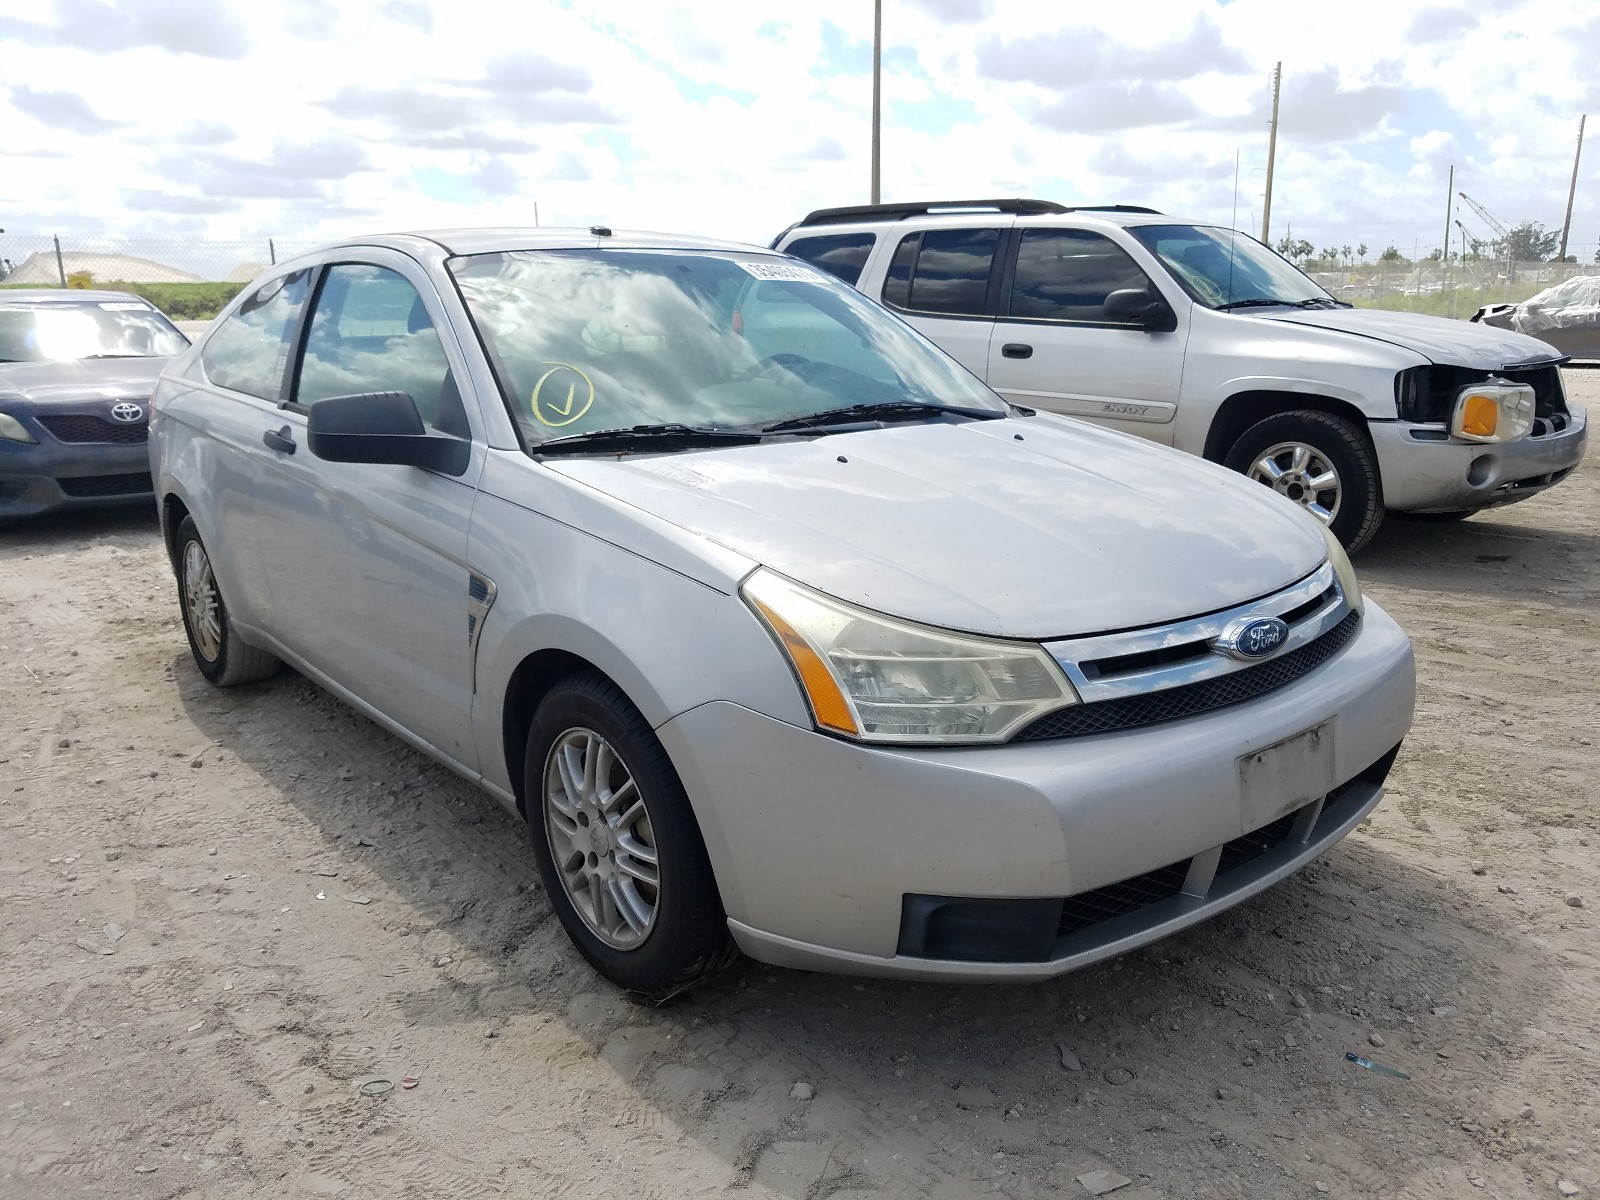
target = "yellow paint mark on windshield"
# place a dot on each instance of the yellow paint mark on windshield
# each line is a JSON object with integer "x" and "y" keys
{"x": 561, "y": 406}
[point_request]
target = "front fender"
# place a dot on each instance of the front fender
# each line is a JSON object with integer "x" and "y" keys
{"x": 671, "y": 643}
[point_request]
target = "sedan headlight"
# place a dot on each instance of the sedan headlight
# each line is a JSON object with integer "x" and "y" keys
{"x": 1344, "y": 572}
{"x": 878, "y": 679}
{"x": 1492, "y": 412}
{"x": 11, "y": 429}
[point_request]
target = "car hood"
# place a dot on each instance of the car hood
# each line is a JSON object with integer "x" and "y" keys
{"x": 1439, "y": 339}
{"x": 73, "y": 382}
{"x": 1071, "y": 530}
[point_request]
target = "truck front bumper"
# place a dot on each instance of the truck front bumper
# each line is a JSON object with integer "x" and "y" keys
{"x": 1425, "y": 470}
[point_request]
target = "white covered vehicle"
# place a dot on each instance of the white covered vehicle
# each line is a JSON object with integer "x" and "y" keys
{"x": 1205, "y": 339}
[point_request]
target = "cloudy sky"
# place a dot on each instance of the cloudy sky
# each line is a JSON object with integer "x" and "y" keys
{"x": 323, "y": 118}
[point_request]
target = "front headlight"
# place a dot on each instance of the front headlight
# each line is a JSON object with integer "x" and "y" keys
{"x": 1495, "y": 411}
{"x": 11, "y": 429}
{"x": 878, "y": 679}
{"x": 1344, "y": 572}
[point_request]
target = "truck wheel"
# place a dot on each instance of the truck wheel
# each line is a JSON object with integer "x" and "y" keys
{"x": 617, "y": 844}
{"x": 1323, "y": 463}
{"x": 223, "y": 658}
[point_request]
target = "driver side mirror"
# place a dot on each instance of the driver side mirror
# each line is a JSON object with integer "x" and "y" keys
{"x": 381, "y": 427}
{"x": 1141, "y": 308}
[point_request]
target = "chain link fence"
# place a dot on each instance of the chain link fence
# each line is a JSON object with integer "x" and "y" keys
{"x": 1457, "y": 289}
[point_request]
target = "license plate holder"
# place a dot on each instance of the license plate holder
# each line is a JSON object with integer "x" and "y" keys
{"x": 1277, "y": 779}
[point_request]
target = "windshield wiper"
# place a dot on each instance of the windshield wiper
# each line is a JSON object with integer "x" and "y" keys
{"x": 663, "y": 437}
{"x": 1255, "y": 302}
{"x": 887, "y": 410}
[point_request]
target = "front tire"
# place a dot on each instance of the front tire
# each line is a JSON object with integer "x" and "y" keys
{"x": 222, "y": 656}
{"x": 617, "y": 843}
{"x": 1322, "y": 462}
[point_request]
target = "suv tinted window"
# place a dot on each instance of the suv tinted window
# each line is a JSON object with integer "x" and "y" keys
{"x": 839, "y": 254}
{"x": 942, "y": 271}
{"x": 248, "y": 351}
{"x": 371, "y": 333}
{"x": 1066, "y": 275}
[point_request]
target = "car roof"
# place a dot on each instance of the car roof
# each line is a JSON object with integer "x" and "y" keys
{"x": 63, "y": 296}
{"x": 507, "y": 238}
{"x": 1017, "y": 211}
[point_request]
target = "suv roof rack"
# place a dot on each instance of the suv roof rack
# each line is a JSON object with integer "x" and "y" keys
{"x": 899, "y": 212}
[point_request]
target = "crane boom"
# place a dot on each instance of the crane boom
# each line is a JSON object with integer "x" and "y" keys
{"x": 1494, "y": 222}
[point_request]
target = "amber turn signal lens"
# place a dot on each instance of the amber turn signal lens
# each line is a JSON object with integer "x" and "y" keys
{"x": 1480, "y": 415}
{"x": 828, "y": 704}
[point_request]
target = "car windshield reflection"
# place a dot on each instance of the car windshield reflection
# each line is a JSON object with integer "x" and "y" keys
{"x": 588, "y": 340}
{"x": 1223, "y": 269}
{"x": 62, "y": 332}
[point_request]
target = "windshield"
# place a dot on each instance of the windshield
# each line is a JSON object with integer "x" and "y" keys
{"x": 585, "y": 340}
{"x": 1221, "y": 268}
{"x": 58, "y": 331}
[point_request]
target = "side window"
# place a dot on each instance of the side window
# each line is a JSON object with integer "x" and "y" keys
{"x": 249, "y": 350}
{"x": 840, "y": 254}
{"x": 942, "y": 271}
{"x": 371, "y": 333}
{"x": 1066, "y": 275}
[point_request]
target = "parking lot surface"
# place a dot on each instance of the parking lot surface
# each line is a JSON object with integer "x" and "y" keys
{"x": 221, "y": 912}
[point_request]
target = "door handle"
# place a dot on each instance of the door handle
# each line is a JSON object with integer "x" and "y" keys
{"x": 281, "y": 440}
{"x": 1017, "y": 350}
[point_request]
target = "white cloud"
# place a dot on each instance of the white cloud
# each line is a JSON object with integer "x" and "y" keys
{"x": 316, "y": 118}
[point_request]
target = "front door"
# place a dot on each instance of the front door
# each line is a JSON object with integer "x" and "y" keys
{"x": 367, "y": 562}
{"x": 1054, "y": 347}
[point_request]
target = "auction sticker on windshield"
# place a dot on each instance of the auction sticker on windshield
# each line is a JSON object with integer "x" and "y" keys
{"x": 792, "y": 272}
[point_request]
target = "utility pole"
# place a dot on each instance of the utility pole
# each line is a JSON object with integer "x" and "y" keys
{"x": 1449, "y": 195}
{"x": 877, "y": 93}
{"x": 1233, "y": 221}
{"x": 1566, "y": 224}
{"x": 1272, "y": 154}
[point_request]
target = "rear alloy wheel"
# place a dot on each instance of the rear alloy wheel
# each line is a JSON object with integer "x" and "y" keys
{"x": 1323, "y": 463}
{"x": 223, "y": 658}
{"x": 617, "y": 843}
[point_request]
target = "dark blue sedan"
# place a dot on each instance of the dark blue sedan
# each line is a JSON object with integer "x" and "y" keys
{"x": 76, "y": 372}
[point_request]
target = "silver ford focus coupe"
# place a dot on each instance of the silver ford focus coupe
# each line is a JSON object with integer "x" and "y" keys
{"x": 783, "y": 632}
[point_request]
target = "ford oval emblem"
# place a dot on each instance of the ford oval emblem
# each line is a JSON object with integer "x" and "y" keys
{"x": 1250, "y": 638}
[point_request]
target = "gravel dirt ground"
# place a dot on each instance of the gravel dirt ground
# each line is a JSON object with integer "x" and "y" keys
{"x": 222, "y": 910}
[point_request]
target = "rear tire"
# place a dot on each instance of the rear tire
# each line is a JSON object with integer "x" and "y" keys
{"x": 1322, "y": 462}
{"x": 222, "y": 656}
{"x": 617, "y": 843}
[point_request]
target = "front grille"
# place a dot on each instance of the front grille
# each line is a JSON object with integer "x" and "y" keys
{"x": 85, "y": 486}
{"x": 1125, "y": 896}
{"x": 77, "y": 429}
{"x": 1172, "y": 704}
{"x": 1256, "y": 843}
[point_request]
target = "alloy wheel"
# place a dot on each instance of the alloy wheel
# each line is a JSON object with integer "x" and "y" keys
{"x": 601, "y": 838}
{"x": 202, "y": 603}
{"x": 1302, "y": 473}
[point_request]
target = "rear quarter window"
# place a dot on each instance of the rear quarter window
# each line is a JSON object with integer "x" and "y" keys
{"x": 249, "y": 351}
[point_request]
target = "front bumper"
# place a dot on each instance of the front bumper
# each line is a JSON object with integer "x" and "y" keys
{"x": 49, "y": 475}
{"x": 818, "y": 842}
{"x": 1422, "y": 473}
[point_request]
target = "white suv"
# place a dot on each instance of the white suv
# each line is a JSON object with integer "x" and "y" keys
{"x": 1205, "y": 339}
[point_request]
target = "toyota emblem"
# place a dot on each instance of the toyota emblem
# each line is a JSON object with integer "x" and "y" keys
{"x": 127, "y": 412}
